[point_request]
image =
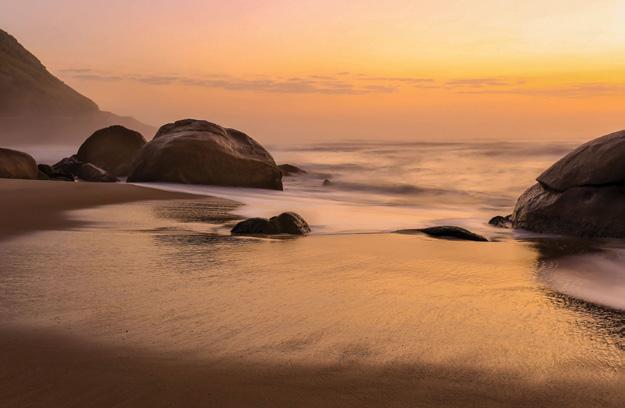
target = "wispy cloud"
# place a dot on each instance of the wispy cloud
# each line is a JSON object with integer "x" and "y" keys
{"x": 346, "y": 83}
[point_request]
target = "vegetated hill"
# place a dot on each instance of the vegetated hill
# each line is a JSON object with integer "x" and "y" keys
{"x": 38, "y": 108}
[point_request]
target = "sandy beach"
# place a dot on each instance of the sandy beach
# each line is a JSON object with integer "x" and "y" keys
{"x": 182, "y": 315}
{"x": 33, "y": 205}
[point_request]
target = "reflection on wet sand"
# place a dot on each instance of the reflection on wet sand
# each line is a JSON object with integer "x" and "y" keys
{"x": 156, "y": 302}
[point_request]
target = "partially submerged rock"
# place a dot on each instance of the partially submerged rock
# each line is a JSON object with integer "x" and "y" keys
{"x": 17, "y": 165}
{"x": 199, "y": 152}
{"x": 285, "y": 223}
{"x": 290, "y": 170}
{"x": 501, "y": 221}
{"x": 113, "y": 149}
{"x": 583, "y": 194}
{"x": 90, "y": 172}
{"x": 446, "y": 232}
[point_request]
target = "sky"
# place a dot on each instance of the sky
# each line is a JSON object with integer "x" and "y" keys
{"x": 321, "y": 70}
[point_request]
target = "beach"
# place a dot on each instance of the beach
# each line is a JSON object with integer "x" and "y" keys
{"x": 115, "y": 295}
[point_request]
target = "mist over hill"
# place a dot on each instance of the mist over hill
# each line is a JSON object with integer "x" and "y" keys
{"x": 38, "y": 108}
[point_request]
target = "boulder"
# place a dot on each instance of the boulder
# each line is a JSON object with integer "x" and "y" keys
{"x": 583, "y": 194}
{"x": 327, "y": 183}
{"x": 17, "y": 165}
{"x": 113, "y": 149}
{"x": 255, "y": 226}
{"x": 67, "y": 167}
{"x": 286, "y": 223}
{"x": 199, "y": 152}
{"x": 501, "y": 221}
{"x": 290, "y": 223}
{"x": 599, "y": 162}
{"x": 446, "y": 232}
{"x": 290, "y": 170}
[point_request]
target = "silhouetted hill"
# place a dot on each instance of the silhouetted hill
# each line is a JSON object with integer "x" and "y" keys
{"x": 37, "y": 107}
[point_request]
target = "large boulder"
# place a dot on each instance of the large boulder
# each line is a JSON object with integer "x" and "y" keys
{"x": 17, "y": 165}
{"x": 199, "y": 152}
{"x": 112, "y": 149}
{"x": 286, "y": 223}
{"x": 582, "y": 194}
{"x": 599, "y": 162}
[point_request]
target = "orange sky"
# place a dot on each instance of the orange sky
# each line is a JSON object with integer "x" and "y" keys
{"x": 317, "y": 70}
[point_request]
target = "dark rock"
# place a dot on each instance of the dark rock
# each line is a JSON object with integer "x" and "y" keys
{"x": 501, "y": 221}
{"x": 67, "y": 167}
{"x": 446, "y": 232}
{"x": 290, "y": 223}
{"x": 583, "y": 194}
{"x": 17, "y": 165}
{"x": 327, "y": 183}
{"x": 42, "y": 176}
{"x": 596, "y": 163}
{"x": 112, "y": 149}
{"x": 199, "y": 152}
{"x": 255, "y": 226}
{"x": 90, "y": 172}
{"x": 285, "y": 223}
{"x": 71, "y": 168}
{"x": 290, "y": 170}
{"x": 579, "y": 211}
{"x": 46, "y": 169}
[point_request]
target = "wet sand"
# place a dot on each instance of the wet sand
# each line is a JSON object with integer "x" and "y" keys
{"x": 44, "y": 370}
{"x": 33, "y": 205}
{"x": 156, "y": 309}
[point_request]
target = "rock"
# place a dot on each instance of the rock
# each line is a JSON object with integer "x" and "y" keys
{"x": 446, "y": 232}
{"x": 290, "y": 170}
{"x": 578, "y": 211}
{"x": 42, "y": 176}
{"x": 599, "y": 162}
{"x": 17, "y": 165}
{"x": 199, "y": 152}
{"x": 285, "y": 223}
{"x": 112, "y": 149}
{"x": 327, "y": 183}
{"x": 501, "y": 221}
{"x": 90, "y": 172}
{"x": 45, "y": 169}
{"x": 255, "y": 226}
{"x": 71, "y": 168}
{"x": 67, "y": 167}
{"x": 583, "y": 194}
{"x": 290, "y": 223}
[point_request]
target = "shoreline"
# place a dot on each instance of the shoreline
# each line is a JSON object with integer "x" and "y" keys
{"x": 36, "y": 205}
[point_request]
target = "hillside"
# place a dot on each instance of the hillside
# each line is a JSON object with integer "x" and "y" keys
{"x": 37, "y": 107}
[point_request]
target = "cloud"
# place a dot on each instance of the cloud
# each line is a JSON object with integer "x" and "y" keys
{"x": 345, "y": 83}
{"x": 322, "y": 84}
{"x": 584, "y": 90}
{"x": 481, "y": 82}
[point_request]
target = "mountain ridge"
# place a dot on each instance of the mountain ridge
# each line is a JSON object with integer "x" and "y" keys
{"x": 37, "y": 107}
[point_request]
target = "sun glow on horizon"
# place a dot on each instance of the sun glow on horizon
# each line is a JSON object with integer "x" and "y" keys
{"x": 308, "y": 70}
